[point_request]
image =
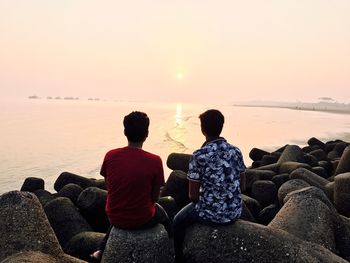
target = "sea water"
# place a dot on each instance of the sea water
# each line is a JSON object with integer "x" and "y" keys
{"x": 44, "y": 137}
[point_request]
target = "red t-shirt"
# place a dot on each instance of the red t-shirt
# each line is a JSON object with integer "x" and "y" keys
{"x": 132, "y": 175}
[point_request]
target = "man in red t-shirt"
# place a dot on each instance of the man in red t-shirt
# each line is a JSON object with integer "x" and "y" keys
{"x": 133, "y": 179}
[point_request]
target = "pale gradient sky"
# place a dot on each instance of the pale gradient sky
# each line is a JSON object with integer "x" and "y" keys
{"x": 134, "y": 50}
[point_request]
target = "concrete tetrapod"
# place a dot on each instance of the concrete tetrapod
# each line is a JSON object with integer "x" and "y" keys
{"x": 137, "y": 246}
{"x": 24, "y": 227}
{"x": 245, "y": 241}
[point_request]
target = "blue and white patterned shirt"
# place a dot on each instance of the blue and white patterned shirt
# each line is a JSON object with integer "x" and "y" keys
{"x": 217, "y": 166}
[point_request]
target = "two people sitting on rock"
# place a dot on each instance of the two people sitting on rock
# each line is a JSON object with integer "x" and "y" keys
{"x": 133, "y": 180}
{"x": 216, "y": 179}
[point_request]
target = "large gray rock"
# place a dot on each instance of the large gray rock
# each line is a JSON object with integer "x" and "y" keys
{"x": 344, "y": 163}
{"x": 30, "y": 257}
{"x": 314, "y": 141}
{"x": 267, "y": 214}
{"x": 265, "y": 192}
{"x": 44, "y": 196}
{"x": 72, "y": 191}
{"x": 36, "y": 257}
{"x": 244, "y": 241}
{"x": 342, "y": 193}
{"x": 309, "y": 215}
{"x": 26, "y": 231}
{"x": 310, "y": 177}
{"x": 288, "y": 167}
{"x": 252, "y": 205}
{"x": 290, "y": 186}
{"x": 84, "y": 244}
{"x": 92, "y": 202}
{"x": 177, "y": 187}
{"x": 65, "y": 219}
{"x": 268, "y": 159}
{"x": 32, "y": 184}
{"x": 257, "y": 154}
{"x": 310, "y": 160}
{"x": 280, "y": 179}
{"x": 149, "y": 245}
{"x": 329, "y": 190}
{"x": 24, "y": 226}
{"x": 246, "y": 214}
{"x": 253, "y": 175}
{"x": 178, "y": 161}
{"x": 340, "y": 147}
{"x": 66, "y": 178}
{"x": 343, "y": 237}
{"x": 292, "y": 153}
{"x": 320, "y": 155}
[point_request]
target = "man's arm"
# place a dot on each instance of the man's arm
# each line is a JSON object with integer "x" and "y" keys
{"x": 242, "y": 181}
{"x": 155, "y": 194}
{"x": 193, "y": 190}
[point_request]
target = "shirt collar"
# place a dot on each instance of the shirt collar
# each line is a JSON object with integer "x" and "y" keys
{"x": 213, "y": 141}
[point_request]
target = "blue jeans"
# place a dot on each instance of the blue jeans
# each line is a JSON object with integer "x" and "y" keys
{"x": 183, "y": 219}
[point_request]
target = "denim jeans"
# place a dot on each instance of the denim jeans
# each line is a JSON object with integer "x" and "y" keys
{"x": 186, "y": 217}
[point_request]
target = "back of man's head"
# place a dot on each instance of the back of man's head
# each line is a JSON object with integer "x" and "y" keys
{"x": 212, "y": 122}
{"x": 136, "y": 126}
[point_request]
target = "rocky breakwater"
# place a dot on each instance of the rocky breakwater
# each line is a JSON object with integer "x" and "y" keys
{"x": 296, "y": 208}
{"x": 71, "y": 223}
{"x": 298, "y": 205}
{"x": 26, "y": 235}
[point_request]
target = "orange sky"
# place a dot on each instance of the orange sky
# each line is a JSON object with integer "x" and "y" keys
{"x": 191, "y": 51}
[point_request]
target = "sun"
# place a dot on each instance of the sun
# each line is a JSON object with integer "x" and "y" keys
{"x": 179, "y": 75}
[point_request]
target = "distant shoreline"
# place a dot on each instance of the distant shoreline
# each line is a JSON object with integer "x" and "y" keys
{"x": 318, "y": 108}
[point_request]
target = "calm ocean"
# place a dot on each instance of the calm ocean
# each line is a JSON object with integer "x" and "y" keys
{"x": 43, "y": 138}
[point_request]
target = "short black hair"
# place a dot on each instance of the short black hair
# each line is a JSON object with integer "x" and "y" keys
{"x": 136, "y": 126}
{"x": 212, "y": 122}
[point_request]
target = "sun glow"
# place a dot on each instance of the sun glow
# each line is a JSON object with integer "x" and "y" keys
{"x": 179, "y": 75}
{"x": 178, "y": 115}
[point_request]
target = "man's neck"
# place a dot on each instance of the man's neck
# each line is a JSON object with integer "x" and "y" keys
{"x": 211, "y": 138}
{"x": 135, "y": 144}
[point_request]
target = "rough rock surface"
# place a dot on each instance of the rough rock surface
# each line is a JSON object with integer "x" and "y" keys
{"x": 149, "y": 245}
{"x": 65, "y": 219}
{"x": 177, "y": 187}
{"x": 342, "y": 193}
{"x": 290, "y": 186}
{"x": 72, "y": 191}
{"x": 292, "y": 153}
{"x": 309, "y": 215}
{"x": 178, "y": 161}
{"x": 264, "y": 191}
{"x": 92, "y": 202}
{"x": 309, "y": 177}
{"x": 83, "y": 244}
{"x": 344, "y": 162}
{"x": 66, "y": 178}
{"x": 26, "y": 235}
{"x": 32, "y": 184}
{"x": 249, "y": 242}
{"x": 24, "y": 226}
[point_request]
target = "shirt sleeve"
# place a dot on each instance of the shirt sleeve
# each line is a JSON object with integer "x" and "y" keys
{"x": 103, "y": 170}
{"x": 194, "y": 169}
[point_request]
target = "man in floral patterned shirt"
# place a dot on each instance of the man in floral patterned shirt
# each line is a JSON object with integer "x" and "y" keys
{"x": 216, "y": 178}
